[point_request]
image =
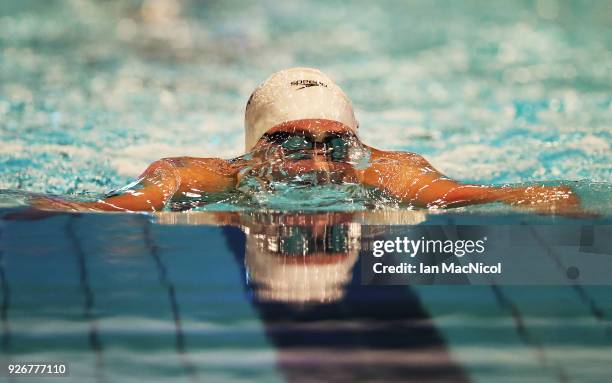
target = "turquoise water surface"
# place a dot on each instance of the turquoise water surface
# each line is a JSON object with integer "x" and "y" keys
{"x": 92, "y": 92}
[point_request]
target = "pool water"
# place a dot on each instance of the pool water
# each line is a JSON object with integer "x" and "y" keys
{"x": 176, "y": 297}
{"x": 92, "y": 92}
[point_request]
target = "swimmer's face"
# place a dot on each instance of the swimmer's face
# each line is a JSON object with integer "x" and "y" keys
{"x": 306, "y": 146}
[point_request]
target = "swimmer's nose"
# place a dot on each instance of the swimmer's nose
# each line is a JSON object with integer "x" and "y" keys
{"x": 322, "y": 169}
{"x": 320, "y": 151}
{"x": 319, "y": 156}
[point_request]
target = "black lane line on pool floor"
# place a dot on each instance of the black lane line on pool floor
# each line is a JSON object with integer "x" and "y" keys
{"x": 153, "y": 250}
{"x": 4, "y": 309}
{"x": 366, "y": 322}
{"x": 505, "y": 302}
{"x": 94, "y": 338}
{"x": 583, "y": 295}
{"x": 6, "y": 302}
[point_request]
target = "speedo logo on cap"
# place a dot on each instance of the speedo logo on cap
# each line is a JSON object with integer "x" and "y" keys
{"x": 307, "y": 83}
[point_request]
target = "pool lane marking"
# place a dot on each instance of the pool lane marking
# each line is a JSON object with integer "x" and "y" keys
{"x": 153, "y": 250}
{"x": 505, "y": 302}
{"x": 594, "y": 308}
{"x": 93, "y": 337}
{"x": 6, "y": 303}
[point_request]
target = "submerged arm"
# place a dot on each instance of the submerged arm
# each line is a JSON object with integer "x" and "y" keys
{"x": 159, "y": 183}
{"x": 411, "y": 179}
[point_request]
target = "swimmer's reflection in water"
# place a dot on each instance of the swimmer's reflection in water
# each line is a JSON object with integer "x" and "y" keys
{"x": 301, "y": 264}
{"x": 294, "y": 258}
{"x": 301, "y": 130}
{"x": 325, "y": 325}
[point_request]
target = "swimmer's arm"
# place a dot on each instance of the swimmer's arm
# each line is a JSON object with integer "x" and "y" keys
{"x": 413, "y": 180}
{"x": 163, "y": 180}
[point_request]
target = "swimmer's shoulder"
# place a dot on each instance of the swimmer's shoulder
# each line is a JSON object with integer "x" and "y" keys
{"x": 218, "y": 165}
{"x": 408, "y": 158}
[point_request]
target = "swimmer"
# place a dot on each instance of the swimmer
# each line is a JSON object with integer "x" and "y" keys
{"x": 300, "y": 128}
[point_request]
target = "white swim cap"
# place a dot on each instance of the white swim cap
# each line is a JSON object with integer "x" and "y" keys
{"x": 295, "y": 94}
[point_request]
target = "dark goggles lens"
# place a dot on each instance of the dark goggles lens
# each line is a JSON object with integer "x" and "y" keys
{"x": 297, "y": 142}
{"x": 338, "y": 146}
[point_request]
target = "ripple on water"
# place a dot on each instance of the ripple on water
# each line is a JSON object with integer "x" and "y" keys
{"x": 95, "y": 91}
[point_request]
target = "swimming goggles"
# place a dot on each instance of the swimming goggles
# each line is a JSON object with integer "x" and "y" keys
{"x": 335, "y": 144}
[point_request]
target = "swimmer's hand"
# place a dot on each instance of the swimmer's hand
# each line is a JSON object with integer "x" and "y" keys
{"x": 55, "y": 204}
{"x": 42, "y": 207}
{"x": 554, "y": 200}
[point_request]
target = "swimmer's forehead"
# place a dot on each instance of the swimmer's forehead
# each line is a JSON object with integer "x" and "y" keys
{"x": 314, "y": 127}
